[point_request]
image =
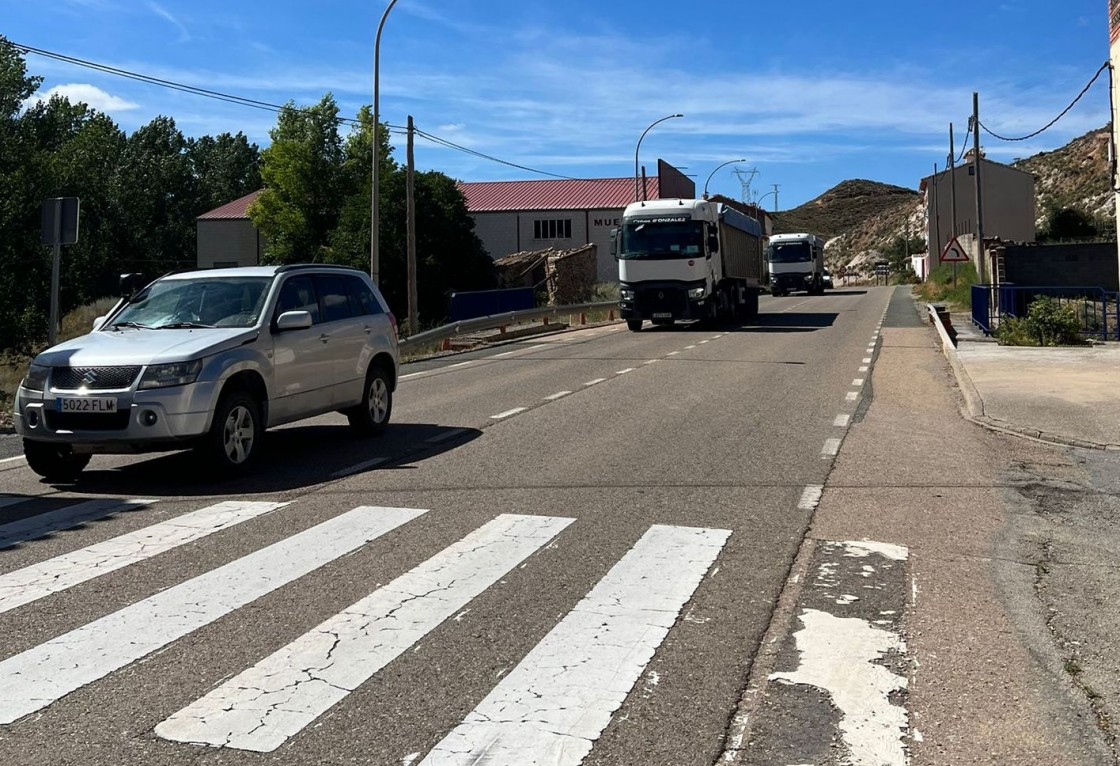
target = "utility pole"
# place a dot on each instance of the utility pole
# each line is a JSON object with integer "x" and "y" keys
{"x": 776, "y": 208}
{"x": 935, "y": 211}
{"x": 981, "y": 256}
{"x": 410, "y": 204}
{"x": 953, "y": 180}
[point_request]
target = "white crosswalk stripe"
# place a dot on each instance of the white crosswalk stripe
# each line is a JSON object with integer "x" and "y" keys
{"x": 64, "y": 518}
{"x": 36, "y": 678}
{"x": 554, "y": 705}
{"x": 61, "y": 572}
{"x": 272, "y": 701}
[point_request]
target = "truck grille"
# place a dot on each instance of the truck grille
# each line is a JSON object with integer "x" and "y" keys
{"x": 87, "y": 421}
{"x": 93, "y": 378}
{"x": 662, "y": 300}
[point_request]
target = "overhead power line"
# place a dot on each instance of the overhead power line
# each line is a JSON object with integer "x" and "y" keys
{"x": 1052, "y": 122}
{"x": 250, "y": 102}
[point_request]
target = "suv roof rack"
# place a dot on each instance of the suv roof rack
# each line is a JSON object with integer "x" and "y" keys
{"x": 299, "y": 266}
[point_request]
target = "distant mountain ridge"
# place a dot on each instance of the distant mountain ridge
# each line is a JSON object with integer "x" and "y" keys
{"x": 860, "y": 218}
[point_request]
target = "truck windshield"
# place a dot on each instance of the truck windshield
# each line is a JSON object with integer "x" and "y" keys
{"x": 794, "y": 252}
{"x": 662, "y": 240}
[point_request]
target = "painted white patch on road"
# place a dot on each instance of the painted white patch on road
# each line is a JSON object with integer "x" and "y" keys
{"x": 851, "y": 396}
{"x": 272, "y": 701}
{"x": 831, "y": 447}
{"x": 810, "y": 497}
{"x": 61, "y": 572}
{"x": 554, "y": 705}
{"x": 557, "y": 395}
{"x": 887, "y": 550}
{"x": 34, "y": 679}
{"x": 857, "y": 382}
{"x": 842, "y": 656}
{"x": 64, "y": 518}
{"x": 863, "y": 368}
{"x": 508, "y": 413}
{"x": 867, "y": 360}
{"x": 842, "y": 421}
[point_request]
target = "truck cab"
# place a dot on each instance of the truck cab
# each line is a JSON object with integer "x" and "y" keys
{"x": 796, "y": 263}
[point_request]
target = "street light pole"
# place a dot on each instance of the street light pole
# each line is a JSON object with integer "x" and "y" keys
{"x": 639, "y": 146}
{"x": 758, "y": 202}
{"x": 729, "y": 162}
{"x": 374, "y": 213}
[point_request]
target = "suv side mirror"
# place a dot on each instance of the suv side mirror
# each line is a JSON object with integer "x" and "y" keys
{"x": 293, "y": 320}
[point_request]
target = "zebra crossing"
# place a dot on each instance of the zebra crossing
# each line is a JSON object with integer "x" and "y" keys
{"x": 551, "y": 707}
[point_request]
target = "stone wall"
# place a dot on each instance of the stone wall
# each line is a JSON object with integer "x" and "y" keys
{"x": 572, "y": 275}
{"x": 1074, "y": 265}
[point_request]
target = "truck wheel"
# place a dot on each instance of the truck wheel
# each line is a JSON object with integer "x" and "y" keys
{"x": 775, "y": 292}
{"x": 634, "y": 325}
{"x": 234, "y": 440}
{"x": 54, "y": 462}
{"x": 372, "y": 415}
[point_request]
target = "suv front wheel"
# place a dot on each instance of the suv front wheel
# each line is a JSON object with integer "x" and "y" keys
{"x": 54, "y": 462}
{"x": 372, "y": 415}
{"x": 235, "y": 435}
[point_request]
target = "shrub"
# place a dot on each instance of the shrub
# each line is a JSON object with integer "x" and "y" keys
{"x": 1048, "y": 323}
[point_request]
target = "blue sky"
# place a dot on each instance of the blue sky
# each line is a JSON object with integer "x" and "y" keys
{"x": 809, "y": 92}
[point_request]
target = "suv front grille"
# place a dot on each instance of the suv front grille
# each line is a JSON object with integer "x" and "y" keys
{"x": 93, "y": 378}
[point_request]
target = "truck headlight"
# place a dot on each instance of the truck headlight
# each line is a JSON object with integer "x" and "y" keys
{"x": 174, "y": 374}
{"x": 625, "y": 294}
{"x": 696, "y": 293}
{"x": 36, "y": 378}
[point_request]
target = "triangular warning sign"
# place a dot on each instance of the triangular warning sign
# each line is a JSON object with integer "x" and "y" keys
{"x": 953, "y": 252}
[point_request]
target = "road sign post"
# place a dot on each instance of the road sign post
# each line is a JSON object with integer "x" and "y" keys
{"x": 954, "y": 253}
{"x": 59, "y": 227}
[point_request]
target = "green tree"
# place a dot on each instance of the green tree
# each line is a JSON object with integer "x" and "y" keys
{"x": 1066, "y": 223}
{"x": 304, "y": 184}
{"x": 226, "y": 167}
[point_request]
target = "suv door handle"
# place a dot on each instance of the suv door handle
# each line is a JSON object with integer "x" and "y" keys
{"x": 324, "y": 337}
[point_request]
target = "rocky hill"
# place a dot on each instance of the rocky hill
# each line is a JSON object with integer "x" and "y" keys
{"x": 860, "y": 218}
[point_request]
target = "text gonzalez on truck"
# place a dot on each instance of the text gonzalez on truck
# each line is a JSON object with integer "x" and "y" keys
{"x": 687, "y": 259}
{"x": 796, "y": 262}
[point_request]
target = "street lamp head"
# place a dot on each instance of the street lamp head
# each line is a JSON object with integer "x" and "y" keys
{"x": 717, "y": 167}
{"x": 639, "y": 146}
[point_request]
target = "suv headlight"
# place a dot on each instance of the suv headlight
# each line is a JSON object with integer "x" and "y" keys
{"x": 174, "y": 374}
{"x": 696, "y": 293}
{"x": 36, "y": 378}
{"x": 625, "y": 294}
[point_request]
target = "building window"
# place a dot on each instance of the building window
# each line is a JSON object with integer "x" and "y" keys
{"x": 553, "y": 228}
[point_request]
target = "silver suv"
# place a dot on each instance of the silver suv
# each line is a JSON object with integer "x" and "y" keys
{"x": 209, "y": 360}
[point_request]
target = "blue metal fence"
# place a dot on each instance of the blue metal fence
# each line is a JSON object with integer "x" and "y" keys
{"x": 483, "y": 303}
{"x": 1097, "y": 308}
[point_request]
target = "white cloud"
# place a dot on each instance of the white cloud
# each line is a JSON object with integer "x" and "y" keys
{"x": 165, "y": 14}
{"x": 87, "y": 94}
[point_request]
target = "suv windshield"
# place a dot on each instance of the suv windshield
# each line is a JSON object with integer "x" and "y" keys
{"x": 647, "y": 239}
{"x": 794, "y": 252}
{"x": 210, "y": 302}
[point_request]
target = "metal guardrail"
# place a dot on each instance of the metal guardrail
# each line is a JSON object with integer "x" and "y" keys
{"x": 438, "y": 334}
{"x": 1098, "y": 309}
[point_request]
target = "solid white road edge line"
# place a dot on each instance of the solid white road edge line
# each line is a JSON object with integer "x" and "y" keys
{"x": 811, "y": 497}
{"x": 851, "y": 396}
{"x": 34, "y": 679}
{"x": 61, "y": 572}
{"x": 842, "y": 421}
{"x": 831, "y": 447}
{"x": 12, "y": 459}
{"x": 554, "y": 705}
{"x": 264, "y": 706}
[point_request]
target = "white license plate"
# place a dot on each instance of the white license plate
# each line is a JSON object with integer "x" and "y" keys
{"x": 102, "y": 404}
{"x": 662, "y": 315}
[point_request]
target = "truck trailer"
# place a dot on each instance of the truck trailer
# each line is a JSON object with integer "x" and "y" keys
{"x": 682, "y": 259}
{"x": 796, "y": 262}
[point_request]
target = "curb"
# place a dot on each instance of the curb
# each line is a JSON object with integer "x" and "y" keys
{"x": 974, "y": 403}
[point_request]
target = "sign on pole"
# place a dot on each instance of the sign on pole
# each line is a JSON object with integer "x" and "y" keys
{"x": 60, "y": 227}
{"x": 954, "y": 252}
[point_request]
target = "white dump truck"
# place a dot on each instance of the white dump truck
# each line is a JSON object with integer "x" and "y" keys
{"x": 687, "y": 259}
{"x": 796, "y": 262}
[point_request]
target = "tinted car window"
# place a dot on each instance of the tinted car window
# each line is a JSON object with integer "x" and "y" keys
{"x": 298, "y": 294}
{"x": 362, "y": 300}
{"x": 334, "y": 296}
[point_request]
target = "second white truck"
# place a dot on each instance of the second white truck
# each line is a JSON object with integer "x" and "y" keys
{"x": 687, "y": 259}
{"x": 796, "y": 262}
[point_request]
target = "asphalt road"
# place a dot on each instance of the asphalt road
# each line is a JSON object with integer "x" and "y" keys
{"x": 587, "y": 532}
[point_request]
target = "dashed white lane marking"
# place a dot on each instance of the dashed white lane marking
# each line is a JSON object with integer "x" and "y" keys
{"x": 554, "y": 705}
{"x": 412, "y": 375}
{"x": 445, "y": 436}
{"x": 651, "y": 361}
{"x": 842, "y": 421}
{"x": 508, "y": 413}
{"x": 595, "y": 382}
{"x": 687, "y": 348}
{"x": 810, "y": 497}
{"x": 61, "y": 572}
{"x": 358, "y": 467}
{"x": 64, "y": 518}
{"x": 623, "y": 372}
{"x": 704, "y": 341}
{"x": 831, "y": 447}
{"x": 264, "y": 706}
{"x": 462, "y": 364}
{"x": 12, "y": 459}
{"x": 557, "y": 395}
{"x": 851, "y": 396}
{"x": 672, "y": 353}
{"x": 863, "y": 368}
{"x": 857, "y": 382}
{"x": 34, "y": 679}
{"x": 867, "y": 360}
